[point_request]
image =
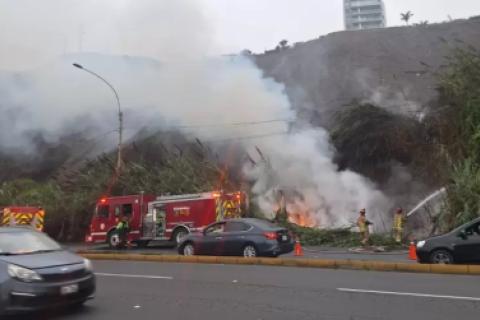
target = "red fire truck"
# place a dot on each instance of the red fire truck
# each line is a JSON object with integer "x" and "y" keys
{"x": 22, "y": 216}
{"x": 162, "y": 218}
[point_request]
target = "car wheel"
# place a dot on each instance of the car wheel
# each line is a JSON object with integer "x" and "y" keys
{"x": 441, "y": 257}
{"x": 249, "y": 251}
{"x": 114, "y": 240}
{"x": 179, "y": 235}
{"x": 188, "y": 249}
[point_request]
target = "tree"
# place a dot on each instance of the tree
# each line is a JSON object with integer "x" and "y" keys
{"x": 283, "y": 44}
{"x": 26, "y": 192}
{"x": 456, "y": 126}
{"x": 406, "y": 16}
{"x": 369, "y": 139}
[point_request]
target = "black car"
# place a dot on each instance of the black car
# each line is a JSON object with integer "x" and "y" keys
{"x": 239, "y": 237}
{"x": 36, "y": 273}
{"x": 462, "y": 245}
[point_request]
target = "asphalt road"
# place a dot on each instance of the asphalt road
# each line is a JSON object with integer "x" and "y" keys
{"x": 143, "y": 291}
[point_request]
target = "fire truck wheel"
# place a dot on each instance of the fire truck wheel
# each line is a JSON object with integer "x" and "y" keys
{"x": 179, "y": 234}
{"x": 249, "y": 251}
{"x": 113, "y": 240}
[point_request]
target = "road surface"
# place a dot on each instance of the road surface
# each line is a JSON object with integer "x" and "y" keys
{"x": 143, "y": 290}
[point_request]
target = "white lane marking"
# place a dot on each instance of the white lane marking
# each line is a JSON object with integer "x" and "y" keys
{"x": 120, "y": 275}
{"x": 411, "y": 294}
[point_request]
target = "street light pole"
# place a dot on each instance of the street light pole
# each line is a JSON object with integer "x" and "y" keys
{"x": 120, "y": 115}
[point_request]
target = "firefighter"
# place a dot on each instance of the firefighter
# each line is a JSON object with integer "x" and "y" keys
{"x": 398, "y": 222}
{"x": 363, "y": 225}
{"x": 123, "y": 229}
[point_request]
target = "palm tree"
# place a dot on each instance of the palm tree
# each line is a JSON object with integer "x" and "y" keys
{"x": 406, "y": 16}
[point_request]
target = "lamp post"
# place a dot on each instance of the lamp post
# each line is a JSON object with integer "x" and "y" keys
{"x": 120, "y": 114}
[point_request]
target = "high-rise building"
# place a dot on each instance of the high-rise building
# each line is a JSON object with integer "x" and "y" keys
{"x": 364, "y": 14}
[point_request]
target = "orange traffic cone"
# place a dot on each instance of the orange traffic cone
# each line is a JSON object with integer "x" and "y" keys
{"x": 412, "y": 251}
{"x": 298, "y": 248}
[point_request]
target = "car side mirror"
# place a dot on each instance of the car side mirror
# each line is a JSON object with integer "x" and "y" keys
{"x": 462, "y": 234}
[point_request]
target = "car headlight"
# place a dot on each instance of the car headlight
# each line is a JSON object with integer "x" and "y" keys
{"x": 421, "y": 243}
{"x": 88, "y": 264}
{"x": 23, "y": 274}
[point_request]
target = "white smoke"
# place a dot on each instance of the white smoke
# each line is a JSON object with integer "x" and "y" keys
{"x": 176, "y": 87}
{"x": 302, "y": 161}
{"x": 396, "y": 99}
{"x": 35, "y": 32}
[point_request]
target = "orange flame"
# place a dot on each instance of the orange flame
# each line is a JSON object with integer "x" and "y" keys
{"x": 302, "y": 219}
{"x": 299, "y": 213}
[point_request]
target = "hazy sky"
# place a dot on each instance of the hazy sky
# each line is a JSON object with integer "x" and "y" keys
{"x": 35, "y": 31}
{"x": 260, "y": 24}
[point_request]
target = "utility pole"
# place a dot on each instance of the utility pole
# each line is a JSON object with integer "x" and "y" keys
{"x": 120, "y": 116}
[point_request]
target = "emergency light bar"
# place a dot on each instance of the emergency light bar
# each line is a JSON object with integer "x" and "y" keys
{"x": 205, "y": 195}
{"x": 180, "y": 197}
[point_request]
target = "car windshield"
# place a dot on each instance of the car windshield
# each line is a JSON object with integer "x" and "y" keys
{"x": 464, "y": 226}
{"x": 25, "y": 242}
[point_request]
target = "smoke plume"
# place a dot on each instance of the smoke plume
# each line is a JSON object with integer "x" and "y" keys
{"x": 157, "y": 55}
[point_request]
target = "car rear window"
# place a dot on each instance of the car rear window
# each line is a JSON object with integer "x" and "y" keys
{"x": 264, "y": 224}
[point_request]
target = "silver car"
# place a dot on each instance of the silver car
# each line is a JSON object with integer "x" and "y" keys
{"x": 36, "y": 273}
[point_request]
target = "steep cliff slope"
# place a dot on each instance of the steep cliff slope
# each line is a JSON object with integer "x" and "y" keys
{"x": 392, "y": 67}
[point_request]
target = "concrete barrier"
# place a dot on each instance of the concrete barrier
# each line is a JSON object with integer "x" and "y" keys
{"x": 291, "y": 262}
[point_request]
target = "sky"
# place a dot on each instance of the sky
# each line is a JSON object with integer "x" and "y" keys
{"x": 258, "y": 25}
{"x": 36, "y": 31}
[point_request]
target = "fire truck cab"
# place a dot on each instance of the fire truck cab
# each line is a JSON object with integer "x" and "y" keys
{"x": 162, "y": 218}
{"x": 22, "y": 216}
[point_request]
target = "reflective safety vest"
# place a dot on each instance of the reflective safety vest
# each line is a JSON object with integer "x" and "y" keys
{"x": 398, "y": 221}
{"x": 362, "y": 223}
{"x": 122, "y": 225}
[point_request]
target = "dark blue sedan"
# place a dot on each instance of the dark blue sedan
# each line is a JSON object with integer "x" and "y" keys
{"x": 239, "y": 237}
{"x": 36, "y": 273}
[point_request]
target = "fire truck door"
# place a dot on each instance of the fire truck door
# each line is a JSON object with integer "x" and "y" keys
{"x": 148, "y": 226}
{"x": 154, "y": 223}
{"x": 160, "y": 217}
